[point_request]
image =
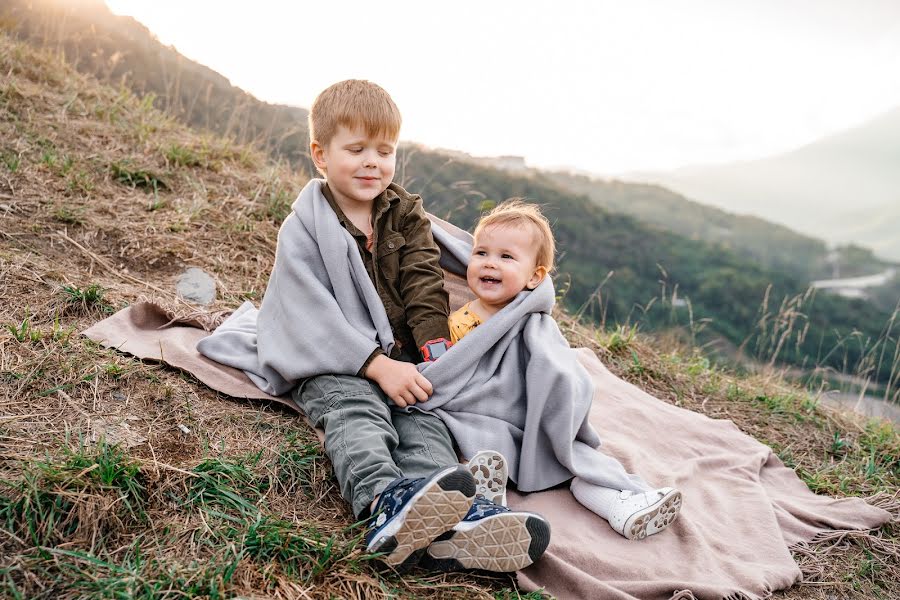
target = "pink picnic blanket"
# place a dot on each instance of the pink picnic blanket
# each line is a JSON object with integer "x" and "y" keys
{"x": 743, "y": 509}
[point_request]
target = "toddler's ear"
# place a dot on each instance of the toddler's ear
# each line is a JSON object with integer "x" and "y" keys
{"x": 537, "y": 277}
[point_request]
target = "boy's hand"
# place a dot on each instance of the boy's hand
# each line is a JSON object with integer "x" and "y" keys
{"x": 401, "y": 381}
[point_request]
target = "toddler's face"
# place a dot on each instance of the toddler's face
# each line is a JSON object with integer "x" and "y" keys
{"x": 503, "y": 264}
{"x": 358, "y": 167}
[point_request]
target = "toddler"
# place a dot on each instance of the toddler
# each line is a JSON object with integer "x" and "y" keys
{"x": 513, "y": 252}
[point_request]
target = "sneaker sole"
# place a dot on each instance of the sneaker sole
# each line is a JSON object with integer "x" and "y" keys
{"x": 501, "y": 543}
{"x": 490, "y": 473}
{"x": 436, "y": 508}
{"x": 655, "y": 518}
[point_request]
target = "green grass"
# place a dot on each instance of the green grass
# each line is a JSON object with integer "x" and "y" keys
{"x": 303, "y": 553}
{"x": 619, "y": 340}
{"x": 850, "y": 464}
{"x": 229, "y": 485}
{"x": 42, "y": 506}
{"x": 127, "y": 174}
{"x": 69, "y": 216}
{"x": 135, "y": 576}
{"x": 182, "y": 156}
{"x": 23, "y": 331}
{"x": 89, "y": 296}
{"x": 11, "y": 161}
{"x": 294, "y": 465}
{"x": 278, "y": 205}
{"x": 516, "y": 595}
{"x": 275, "y": 198}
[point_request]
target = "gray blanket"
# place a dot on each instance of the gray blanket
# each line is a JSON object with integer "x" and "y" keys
{"x": 512, "y": 385}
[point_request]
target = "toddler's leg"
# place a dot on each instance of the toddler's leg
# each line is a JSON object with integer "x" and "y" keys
{"x": 491, "y": 475}
{"x": 635, "y": 515}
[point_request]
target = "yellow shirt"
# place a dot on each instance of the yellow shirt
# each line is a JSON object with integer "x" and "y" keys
{"x": 462, "y": 322}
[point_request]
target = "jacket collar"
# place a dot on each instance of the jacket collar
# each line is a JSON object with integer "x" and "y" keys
{"x": 380, "y": 205}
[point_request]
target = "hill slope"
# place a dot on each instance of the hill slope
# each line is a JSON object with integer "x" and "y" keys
{"x": 123, "y": 479}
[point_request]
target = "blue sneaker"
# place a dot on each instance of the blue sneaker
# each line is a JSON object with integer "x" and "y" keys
{"x": 490, "y": 537}
{"x": 410, "y": 513}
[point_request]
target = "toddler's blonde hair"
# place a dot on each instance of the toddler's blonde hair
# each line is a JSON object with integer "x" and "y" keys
{"x": 517, "y": 213}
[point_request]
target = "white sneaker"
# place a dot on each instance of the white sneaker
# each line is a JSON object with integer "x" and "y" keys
{"x": 637, "y": 515}
{"x": 490, "y": 472}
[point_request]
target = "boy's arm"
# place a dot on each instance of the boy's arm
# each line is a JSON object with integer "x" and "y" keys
{"x": 422, "y": 280}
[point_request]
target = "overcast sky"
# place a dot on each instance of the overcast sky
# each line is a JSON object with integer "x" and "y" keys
{"x": 603, "y": 86}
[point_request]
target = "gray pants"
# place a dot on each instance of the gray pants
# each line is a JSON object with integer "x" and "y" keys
{"x": 369, "y": 440}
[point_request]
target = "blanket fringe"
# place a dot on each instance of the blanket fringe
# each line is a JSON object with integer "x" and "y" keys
{"x": 888, "y": 502}
{"x": 689, "y": 595}
{"x": 813, "y": 556}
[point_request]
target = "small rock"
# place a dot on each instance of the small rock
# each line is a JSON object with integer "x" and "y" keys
{"x": 196, "y": 285}
{"x": 184, "y": 429}
{"x": 114, "y": 430}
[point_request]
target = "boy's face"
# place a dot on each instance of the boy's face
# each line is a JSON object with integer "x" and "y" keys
{"x": 358, "y": 167}
{"x": 503, "y": 264}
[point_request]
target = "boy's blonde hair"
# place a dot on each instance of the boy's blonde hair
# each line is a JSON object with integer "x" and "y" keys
{"x": 514, "y": 212}
{"x": 353, "y": 103}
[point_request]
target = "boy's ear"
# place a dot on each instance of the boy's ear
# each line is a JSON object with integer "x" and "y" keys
{"x": 317, "y": 152}
{"x": 537, "y": 277}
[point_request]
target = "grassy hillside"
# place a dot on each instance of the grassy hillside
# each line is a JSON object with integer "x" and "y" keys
{"x": 121, "y": 51}
{"x": 617, "y": 269}
{"x": 123, "y": 479}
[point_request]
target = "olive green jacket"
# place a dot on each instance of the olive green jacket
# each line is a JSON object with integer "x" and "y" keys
{"x": 403, "y": 266}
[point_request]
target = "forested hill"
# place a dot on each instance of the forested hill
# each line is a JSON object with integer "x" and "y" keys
{"x": 616, "y": 267}
{"x": 730, "y": 296}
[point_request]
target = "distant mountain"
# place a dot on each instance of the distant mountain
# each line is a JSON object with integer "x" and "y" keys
{"x": 879, "y": 227}
{"x": 843, "y": 188}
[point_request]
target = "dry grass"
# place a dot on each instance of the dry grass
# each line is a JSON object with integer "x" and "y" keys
{"x": 103, "y": 201}
{"x": 124, "y": 479}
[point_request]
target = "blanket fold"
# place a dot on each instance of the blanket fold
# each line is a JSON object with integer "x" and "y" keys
{"x": 320, "y": 313}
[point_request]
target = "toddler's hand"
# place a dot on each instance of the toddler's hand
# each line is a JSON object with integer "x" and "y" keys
{"x": 401, "y": 381}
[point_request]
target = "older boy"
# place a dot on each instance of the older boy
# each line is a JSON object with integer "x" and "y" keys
{"x": 398, "y": 465}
